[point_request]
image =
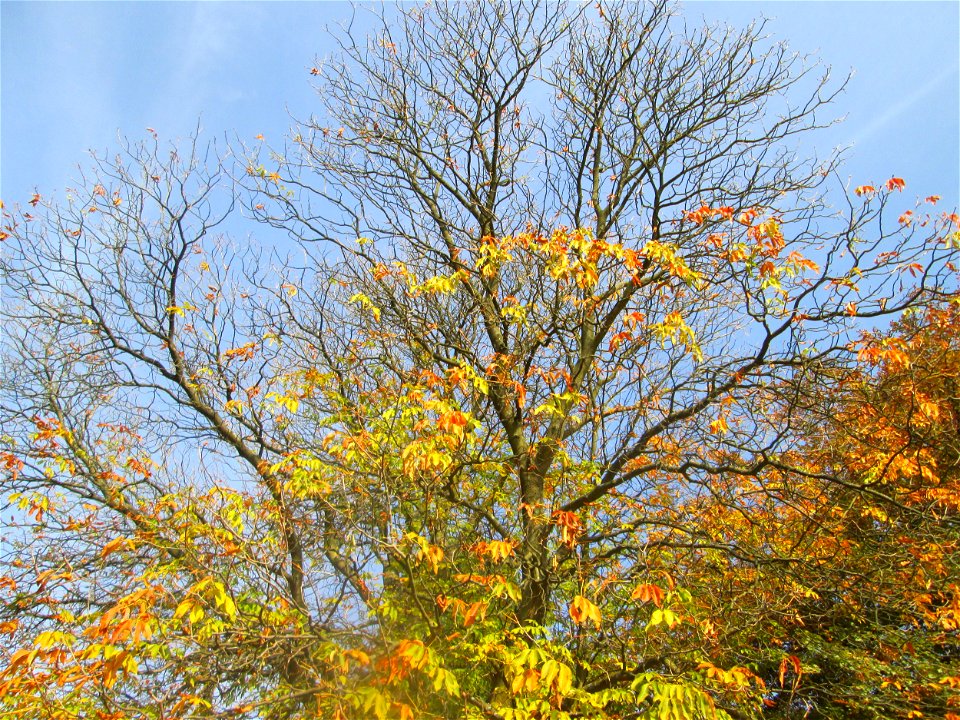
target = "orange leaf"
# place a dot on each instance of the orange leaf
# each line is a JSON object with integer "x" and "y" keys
{"x": 914, "y": 269}
{"x": 618, "y": 339}
{"x": 790, "y": 662}
{"x": 895, "y": 183}
{"x": 528, "y": 680}
{"x": 570, "y": 527}
{"x": 113, "y": 546}
{"x": 21, "y": 657}
{"x": 648, "y": 593}
{"x": 582, "y": 610}
{"x": 470, "y": 616}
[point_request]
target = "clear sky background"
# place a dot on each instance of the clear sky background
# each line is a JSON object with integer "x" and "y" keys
{"x": 74, "y": 74}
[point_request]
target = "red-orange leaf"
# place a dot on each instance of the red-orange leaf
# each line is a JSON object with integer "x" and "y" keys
{"x": 895, "y": 183}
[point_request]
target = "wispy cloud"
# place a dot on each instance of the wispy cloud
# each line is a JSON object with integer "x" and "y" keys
{"x": 881, "y": 121}
{"x": 210, "y": 50}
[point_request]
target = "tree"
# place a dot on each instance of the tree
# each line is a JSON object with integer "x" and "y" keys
{"x": 506, "y": 437}
{"x": 881, "y": 627}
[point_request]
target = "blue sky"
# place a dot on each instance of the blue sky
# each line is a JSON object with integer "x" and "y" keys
{"x": 74, "y": 74}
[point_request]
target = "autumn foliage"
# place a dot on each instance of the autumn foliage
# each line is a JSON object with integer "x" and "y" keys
{"x": 601, "y": 412}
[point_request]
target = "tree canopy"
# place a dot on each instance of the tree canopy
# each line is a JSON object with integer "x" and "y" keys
{"x": 574, "y": 399}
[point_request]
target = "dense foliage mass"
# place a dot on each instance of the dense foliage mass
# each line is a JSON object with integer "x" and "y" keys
{"x": 570, "y": 403}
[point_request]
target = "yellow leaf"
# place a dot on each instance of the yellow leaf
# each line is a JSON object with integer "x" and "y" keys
{"x": 48, "y": 639}
{"x": 196, "y": 613}
{"x": 549, "y": 672}
{"x": 499, "y": 549}
{"x": 130, "y": 664}
{"x": 366, "y": 303}
{"x": 285, "y": 401}
{"x": 223, "y": 600}
{"x": 450, "y": 684}
{"x": 433, "y": 555}
{"x": 191, "y": 608}
{"x": 564, "y": 679}
{"x": 719, "y": 426}
{"x": 358, "y": 655}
